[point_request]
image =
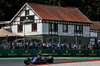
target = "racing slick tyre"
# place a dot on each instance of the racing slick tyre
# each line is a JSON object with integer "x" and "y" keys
{"x": 27, "y": 61}
{"x": 50, "y": 59}
{"x": 44, "y": 60}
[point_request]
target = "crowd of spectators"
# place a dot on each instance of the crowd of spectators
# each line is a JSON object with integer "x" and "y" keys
{"x": 48, "y": 45}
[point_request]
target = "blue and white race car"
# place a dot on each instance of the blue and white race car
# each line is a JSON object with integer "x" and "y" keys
{"x": 43, "y": 59}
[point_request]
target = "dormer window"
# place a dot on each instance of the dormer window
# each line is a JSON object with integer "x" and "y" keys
{"x": 26, "y": 12}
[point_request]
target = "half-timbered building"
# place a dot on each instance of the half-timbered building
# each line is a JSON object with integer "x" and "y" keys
{"x": 95, "y": 32}
{"x": 51, "y": 23}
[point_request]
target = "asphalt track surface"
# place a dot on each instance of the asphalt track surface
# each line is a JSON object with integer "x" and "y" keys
{"x": 20, "y": 62}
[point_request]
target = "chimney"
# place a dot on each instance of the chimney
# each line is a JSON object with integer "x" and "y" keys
{"x": 59, "y": 3}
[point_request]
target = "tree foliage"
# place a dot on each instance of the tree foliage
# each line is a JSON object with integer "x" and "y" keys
{"x": 8, "y": 8}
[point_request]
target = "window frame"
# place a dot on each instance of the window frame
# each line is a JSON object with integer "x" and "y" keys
{"x": 65, "y": 28}
{"x": 20, "y": 28}
{"x": 34, "y": 27}
{"x": 53, "y": 27}
{"x": 50, "y": 27}
{"x": 26, "y": 12}
{"x": 80, "y": 30}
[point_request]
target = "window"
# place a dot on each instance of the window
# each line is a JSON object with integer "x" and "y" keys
{"x": 99, "y": 31}
{"x": 95, "y": 31}
{"x": 26, "y": 12}
{"x": 53, "y": 27}
{"x": 65, "y": 27}
{"x": 34, "y": 27}
{"x": 50, "y": 27}
{"x": 78, "y": 28}
{"x": 20, "y": 28}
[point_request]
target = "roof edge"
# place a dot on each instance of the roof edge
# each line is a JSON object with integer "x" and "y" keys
{"x": 95, "y": 21}
{"x": 68, "y": 21}
{"x": 26, "y": 4}
{"x": 18, "y": 12}
{"x": 83, "y": 15}
{"x": 52, "y": 5}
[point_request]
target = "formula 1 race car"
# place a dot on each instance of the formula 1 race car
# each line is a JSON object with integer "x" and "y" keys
{"x": 43, "y": 59}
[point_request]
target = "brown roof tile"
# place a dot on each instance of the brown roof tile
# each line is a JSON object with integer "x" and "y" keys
{"x": 59, "y": 13}
{"x": 95, "y": 25}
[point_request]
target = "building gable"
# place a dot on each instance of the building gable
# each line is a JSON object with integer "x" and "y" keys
{"x": 26, "y": 21}
{"x": 22, "y": 15}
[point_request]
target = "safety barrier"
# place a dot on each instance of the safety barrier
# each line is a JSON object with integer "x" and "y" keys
{"x": 34, "y": 52}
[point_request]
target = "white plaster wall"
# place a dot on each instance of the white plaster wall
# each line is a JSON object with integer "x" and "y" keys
{"x": 27, "y": 8}
{"x": 40, "y": 20}
{"x": 14, "y": 29}
{"x": 45, "y": 28}
{"x": 86, "y": 31}
{"x": 17, "y": 19}
{"x": 39, "y": 30}
{"x": 93, "y": 34}
{"x": 22, "y": 13}
{"x": 60, "y": 29}
{"x": 36, "y": 21}
{"x": 31, "y": 13}
{"x": 36, "y": 17}
{"x": 27, "y": 28}
{"x": 70, "y": 30}
{"x": 14, "y": 22}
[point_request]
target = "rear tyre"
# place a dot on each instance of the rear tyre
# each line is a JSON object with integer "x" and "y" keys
{"x": 27, "y": 61}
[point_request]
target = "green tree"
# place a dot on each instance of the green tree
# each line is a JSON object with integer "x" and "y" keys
{"x": 8, "y": 8}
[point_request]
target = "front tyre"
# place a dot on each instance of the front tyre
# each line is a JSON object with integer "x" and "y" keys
{"x": 50, "y": 59}
{"x": 44, "y": 60}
